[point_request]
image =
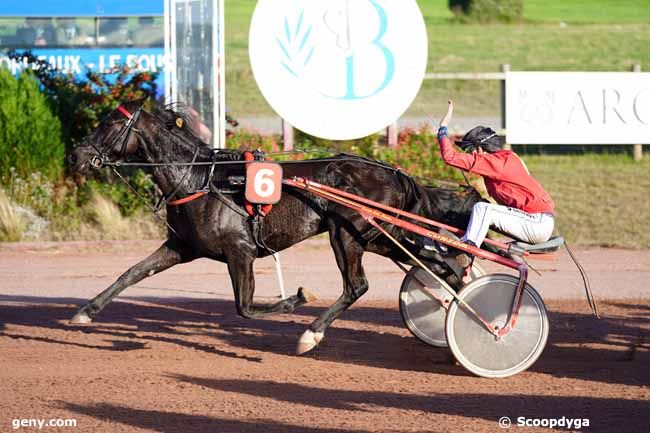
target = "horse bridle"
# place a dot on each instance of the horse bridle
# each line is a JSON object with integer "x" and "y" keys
{"x": 122, "y": 139}
{"x": 101, "y": 159}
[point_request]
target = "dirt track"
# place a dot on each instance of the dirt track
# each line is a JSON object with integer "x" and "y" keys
{"x": 167, "y": 360}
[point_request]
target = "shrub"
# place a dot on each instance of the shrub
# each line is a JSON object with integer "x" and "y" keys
{"x": 128, "y": 202}
{"x": 60, "y": 210}
{"x": 81, "y": 103}
{"x": 363, "y": 146}
{"x": 107, "y": 222}
{"x": 30, "y": 134}
{"x": 488, "y": 10}
{"x": 11, "y": 226}
{"x": 34, "y": 191}
{"x": 417, "y": 152}
{"x": 243, "y": 139}
{"x": 107, "y": 217}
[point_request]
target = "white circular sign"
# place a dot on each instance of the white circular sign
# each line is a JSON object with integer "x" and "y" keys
{"x": 339, "y": 69}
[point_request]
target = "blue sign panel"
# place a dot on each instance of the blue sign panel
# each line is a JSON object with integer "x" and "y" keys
{"x": 80, "y": 8}
{"x": 101, "y": 60}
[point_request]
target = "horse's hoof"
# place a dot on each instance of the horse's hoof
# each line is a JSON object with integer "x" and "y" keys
{"x": 308, "y": 340}
{"x": 81, "y": 318}
{"x": 306, "y": 295}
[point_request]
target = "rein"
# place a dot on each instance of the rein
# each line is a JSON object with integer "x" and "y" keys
{"x": 102, "y": 160}
{"x": 346, "y": 157}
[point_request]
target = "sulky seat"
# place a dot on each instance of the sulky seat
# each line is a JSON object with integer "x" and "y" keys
{"x": 550, "y": 246}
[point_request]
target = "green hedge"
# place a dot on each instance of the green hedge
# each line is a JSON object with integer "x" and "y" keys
{"x": 30, "y": 134}
{"x": 488, "y": 10}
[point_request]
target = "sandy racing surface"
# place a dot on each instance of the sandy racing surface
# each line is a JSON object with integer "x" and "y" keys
{"x": 173, "y": 357}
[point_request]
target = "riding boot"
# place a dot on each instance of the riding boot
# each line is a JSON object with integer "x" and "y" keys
{"x": 430, "y": 248}
{"x": 426, "y": 247}
{"x": 466, "y": 260}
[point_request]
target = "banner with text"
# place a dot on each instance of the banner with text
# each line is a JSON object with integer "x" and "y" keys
{"x": 578, "y": 108}
{"x": 78, "y": 61}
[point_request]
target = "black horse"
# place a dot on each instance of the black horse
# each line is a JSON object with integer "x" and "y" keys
{"x": 215, "y": 226}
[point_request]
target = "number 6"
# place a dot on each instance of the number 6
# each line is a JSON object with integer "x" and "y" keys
{"x": 264, "y": 185}
{"x": 263, "y": 182}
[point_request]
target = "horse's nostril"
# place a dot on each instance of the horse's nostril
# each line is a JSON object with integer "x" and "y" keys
{"x": 72, "y": 159}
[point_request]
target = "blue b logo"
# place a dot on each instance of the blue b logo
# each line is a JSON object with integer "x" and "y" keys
{"x": 297, "y": 49}
{"x": 338, "y": 69}
{"x": 389, "y": 58}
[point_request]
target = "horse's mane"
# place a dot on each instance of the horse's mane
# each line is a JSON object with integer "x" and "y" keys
{"x": 169, "y": 115}
{"x": 175, "y": 114}
{"x": 376, "y": 162}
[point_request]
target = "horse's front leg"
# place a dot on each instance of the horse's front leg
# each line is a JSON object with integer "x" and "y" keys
{"x": 168, "y": 255}
{"x": 240, "y": 268}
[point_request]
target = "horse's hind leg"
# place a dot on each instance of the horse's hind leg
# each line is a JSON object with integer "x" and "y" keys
{"x": 165, "y": 257}
{"x": 240, "y": 268}
{"x": 348, "y": 254}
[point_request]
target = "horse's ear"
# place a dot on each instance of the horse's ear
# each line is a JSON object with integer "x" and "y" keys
{"x": 134, "y": 104}
{"x": 142, "y": 101}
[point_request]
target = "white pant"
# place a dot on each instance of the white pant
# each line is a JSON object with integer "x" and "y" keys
{"x": 530, "y": 228}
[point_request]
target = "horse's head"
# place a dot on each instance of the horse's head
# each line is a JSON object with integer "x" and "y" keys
{"x": 114, "y": 140}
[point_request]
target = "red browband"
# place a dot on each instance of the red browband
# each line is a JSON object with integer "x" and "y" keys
{"x": 125, "y": 112}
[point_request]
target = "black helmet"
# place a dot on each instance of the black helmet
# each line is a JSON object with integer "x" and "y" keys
{"x": 483, "y": 137}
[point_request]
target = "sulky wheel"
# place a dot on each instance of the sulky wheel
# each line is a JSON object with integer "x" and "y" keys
{"x": 422, "y": 314}
{"x": 479, "y": 351}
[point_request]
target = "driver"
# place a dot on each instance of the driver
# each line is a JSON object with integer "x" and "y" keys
{"x": 524, "y": 211}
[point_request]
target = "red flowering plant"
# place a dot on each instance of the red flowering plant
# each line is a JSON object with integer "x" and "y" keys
{"x": 244, "y": 139}
{"x": 81, "y": 103}
{"x": 418, "y": 154}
